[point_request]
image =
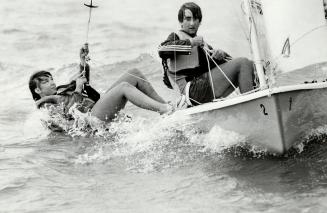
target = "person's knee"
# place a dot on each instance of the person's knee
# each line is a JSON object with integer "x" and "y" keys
{"x": 245, "y": 64}
{"x": 243, "y": 61}
{"x": 123, "y": 86}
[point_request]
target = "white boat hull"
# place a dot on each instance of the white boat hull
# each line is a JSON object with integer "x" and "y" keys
{"x": 273, "y": 119}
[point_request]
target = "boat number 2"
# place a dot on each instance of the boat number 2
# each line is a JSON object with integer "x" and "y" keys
{"x": 263, "y": 109}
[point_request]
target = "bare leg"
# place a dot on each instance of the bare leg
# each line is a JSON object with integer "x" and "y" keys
{"x": 116, "y": 98}
{"x": 137, "y": 79}
{"x": 239, "y": 71}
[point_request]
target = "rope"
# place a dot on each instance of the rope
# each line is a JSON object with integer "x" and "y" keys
{"x": 88, "y": 25}
{"x": 210, "y": 77}
{"x": 151, "y": 83}
{"x": 175, "y": 66}
{"x": 195, "y": 101}
{"x": 87, "y": 33}
{"x": 298, "y": 39}
{"x": 207, "y": 53}
{"x": 239, "y": 19}
{"x": 278, "y": 56}
{"x": 175, "y": 75}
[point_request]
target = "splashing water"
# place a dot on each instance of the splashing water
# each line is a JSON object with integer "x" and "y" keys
{"x": 150, "y": 144}
{"x": 139, "y": 163}
{"x": 145, "y": 144}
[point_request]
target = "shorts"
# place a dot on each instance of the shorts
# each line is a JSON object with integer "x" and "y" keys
{"x": 200, "y": 90}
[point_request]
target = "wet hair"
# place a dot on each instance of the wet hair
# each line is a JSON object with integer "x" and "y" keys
{"x": 34, "y": 82}
{"x": 194, "y": 8}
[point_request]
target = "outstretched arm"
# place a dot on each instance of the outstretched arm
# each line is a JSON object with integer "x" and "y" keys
{"x": 85, "y": 70}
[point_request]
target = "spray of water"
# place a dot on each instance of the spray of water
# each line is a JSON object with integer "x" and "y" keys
{"x": 148, "y": 144}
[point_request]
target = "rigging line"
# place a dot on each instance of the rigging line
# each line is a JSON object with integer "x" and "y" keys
{"x": 175, "y": 75}
{"x": 91, "y": 6}
{"x": 88, "y": 25}
{"x": 298, "y": 39}
{"x": 95, "y": 62}
{"x": 253, "y": 28}
{"x": 128, "y": 73}
{"x": 248, "y": 37}
{"x": 158, "y": 84}
{"x": 239, "y": 20}
{"x": 175, "y": 63}
{"x": 143, "y": 79}
{"x": 254, "y": 21}
{"x": 102, "y": 64}
{"x": 306, "y": 33}
{"x": 207, "y": 53}
{"x": 210, "y": 77}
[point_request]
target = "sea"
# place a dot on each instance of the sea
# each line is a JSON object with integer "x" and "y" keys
{"x": 142, "y": 161}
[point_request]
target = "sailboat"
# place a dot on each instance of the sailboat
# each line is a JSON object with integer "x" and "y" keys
{"x": 288, "y": 43}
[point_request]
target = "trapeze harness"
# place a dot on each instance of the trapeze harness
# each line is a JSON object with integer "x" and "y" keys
{"x": 85, "y": 100}
{"x": 68, "y": 96}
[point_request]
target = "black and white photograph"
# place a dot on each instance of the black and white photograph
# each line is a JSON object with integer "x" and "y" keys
{"x": 136, "y": 106}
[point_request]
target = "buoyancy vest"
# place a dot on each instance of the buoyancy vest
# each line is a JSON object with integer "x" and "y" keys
{"x": 184, "y": 61}
{"x": 88, "y": 91}
{"x": 181, "y": 62}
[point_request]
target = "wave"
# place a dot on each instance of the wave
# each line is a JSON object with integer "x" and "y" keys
{"x": 123, "y": 27}
{"x": 154, "y": 144}
{"x": 12, "y": 31}
{"x": 11, "y": 187}
{"x": 157, "y": 143}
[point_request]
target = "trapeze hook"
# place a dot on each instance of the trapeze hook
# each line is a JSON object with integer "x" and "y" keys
{"x": 90, "y": 5}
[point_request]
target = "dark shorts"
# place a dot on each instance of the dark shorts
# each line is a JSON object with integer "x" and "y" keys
{"x": 200, "y": 90}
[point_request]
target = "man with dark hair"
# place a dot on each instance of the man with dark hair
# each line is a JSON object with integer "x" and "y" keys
{"x": 35, "y": 81}
{"x": 186, "y": 64}
{"x": 194, "y": 8}
{"x": 132, "y": 86}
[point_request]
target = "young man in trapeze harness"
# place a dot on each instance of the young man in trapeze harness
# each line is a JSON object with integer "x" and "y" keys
{"x": 186, "y": 66}
{"x": 132, "y": 86}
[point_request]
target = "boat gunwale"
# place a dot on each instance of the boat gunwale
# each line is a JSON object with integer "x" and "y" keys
{"x": 226, "y": 102}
